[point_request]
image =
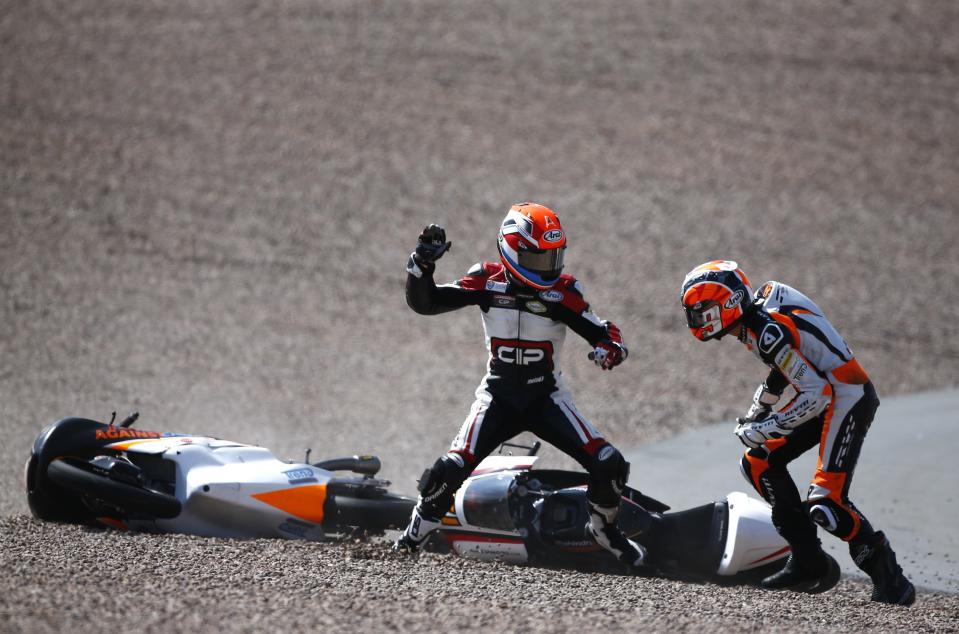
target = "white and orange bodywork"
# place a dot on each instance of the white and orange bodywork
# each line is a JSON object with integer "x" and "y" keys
{"x": 228, "y": 489}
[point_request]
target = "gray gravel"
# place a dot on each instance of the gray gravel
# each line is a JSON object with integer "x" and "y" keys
{"x": 179, "y": 583}
{"x": 205, "y": 209}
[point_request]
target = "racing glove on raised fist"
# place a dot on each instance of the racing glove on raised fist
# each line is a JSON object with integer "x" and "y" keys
{"x": 608, "y": 354}
{"x": 431, "y": 245}
{"x": 755, "y": 433}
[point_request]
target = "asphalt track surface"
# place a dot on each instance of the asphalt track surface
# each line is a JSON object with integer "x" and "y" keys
{"x": 206, "y": 208}
{"x": 918, "y": 515}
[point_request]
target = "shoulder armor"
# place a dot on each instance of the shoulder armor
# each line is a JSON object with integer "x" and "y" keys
{"x": 762, "y": 293}
{"x": 570, "y": 293}
{"x": 771, "y": 336}
{"x": 477, "y": 269}
{"x": 478, "y": 274}
{"x": 484, "y": 269}
{"x": 771, "y": 292}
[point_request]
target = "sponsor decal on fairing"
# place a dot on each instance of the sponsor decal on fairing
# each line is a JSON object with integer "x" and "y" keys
{"x": 117, "y": 433}
{"x": 300, "y": 476}
{"x": 294, "y": 527}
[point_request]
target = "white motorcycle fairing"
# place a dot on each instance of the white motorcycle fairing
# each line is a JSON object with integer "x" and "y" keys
{"x": 485, "y": 541}
{"x": 751, "y": 539}
{"x": 481, "y": 525}
{"x": 229, "y": 489}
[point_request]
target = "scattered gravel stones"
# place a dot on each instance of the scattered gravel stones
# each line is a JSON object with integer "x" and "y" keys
{"x": 59, "y": 576}
{"x": 206, "y": 208}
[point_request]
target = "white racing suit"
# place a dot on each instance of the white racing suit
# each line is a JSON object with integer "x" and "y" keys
{"x": 833, "y": 408}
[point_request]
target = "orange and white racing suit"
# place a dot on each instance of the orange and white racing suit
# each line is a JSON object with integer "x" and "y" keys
{"x": 833, "y": 407}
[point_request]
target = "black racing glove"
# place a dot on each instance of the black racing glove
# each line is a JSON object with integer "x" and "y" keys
{"x": 431, "y": 245}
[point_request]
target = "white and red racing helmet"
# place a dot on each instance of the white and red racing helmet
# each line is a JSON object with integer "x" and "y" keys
{"x": 531, "y": 245}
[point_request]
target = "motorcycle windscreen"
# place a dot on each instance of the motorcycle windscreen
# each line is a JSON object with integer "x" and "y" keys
{"x": 486, "y": 502}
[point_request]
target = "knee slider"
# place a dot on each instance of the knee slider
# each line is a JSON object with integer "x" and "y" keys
{"x": 443, "y": 478}
{"x": 833, "y": 517}
{"x": 824, "y": 516}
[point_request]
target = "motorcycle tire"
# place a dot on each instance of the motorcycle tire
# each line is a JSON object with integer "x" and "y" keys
{"x": 51, "y": 503}
{"x": 74, "y": 476}
{"x": 374, "y": 514}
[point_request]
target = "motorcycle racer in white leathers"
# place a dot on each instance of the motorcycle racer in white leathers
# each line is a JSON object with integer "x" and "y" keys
{"x": 527, "y": 304}
{"x": 833, "y": 407}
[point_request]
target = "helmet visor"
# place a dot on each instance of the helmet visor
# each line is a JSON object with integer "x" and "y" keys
{"x": 705, "y": 313}
{"x": 546, "y": 263}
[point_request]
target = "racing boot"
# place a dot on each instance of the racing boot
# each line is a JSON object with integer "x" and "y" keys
{"x": 875, "y": 557}
{"x": 416, "y": 532}
{"x": 809, "y": 569}
{"x": 604, "y": 529}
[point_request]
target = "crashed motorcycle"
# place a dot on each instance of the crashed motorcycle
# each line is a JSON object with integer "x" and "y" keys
{"x": 507, "y": 511}
{"x": 88, "y": 472}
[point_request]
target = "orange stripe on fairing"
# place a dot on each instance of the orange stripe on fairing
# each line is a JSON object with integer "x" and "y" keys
{"x": 851, "y": 372}
{"x": 123, "y": 446}
{"x": 788, "y": 323}
{"x": 305, "y": 502}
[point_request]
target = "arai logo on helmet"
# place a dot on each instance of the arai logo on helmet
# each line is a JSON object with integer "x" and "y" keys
{"x": 554, "y": 235}
{"x": 552, "y": 296}
{"x": 735, "y": 299}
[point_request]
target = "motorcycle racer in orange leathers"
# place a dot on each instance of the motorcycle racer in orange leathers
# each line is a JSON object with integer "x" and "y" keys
{"x": 833, "y": 407}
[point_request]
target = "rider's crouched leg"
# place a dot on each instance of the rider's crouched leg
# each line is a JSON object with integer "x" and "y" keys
{"x": 607, "y": 479}
{"x": 437, "y": 487}
{"x": 809, "y": 568}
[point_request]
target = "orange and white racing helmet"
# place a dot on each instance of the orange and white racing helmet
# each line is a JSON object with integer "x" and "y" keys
{"x": 715, "y": 296}
{"x": 531, "y": 245}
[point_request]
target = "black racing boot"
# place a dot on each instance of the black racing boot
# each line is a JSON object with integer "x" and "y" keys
{"x": 876, "y": 558}
{"x": 808, "y": 570}
{"x": 416, "y": 533}
{"x": 604, "y": 529}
